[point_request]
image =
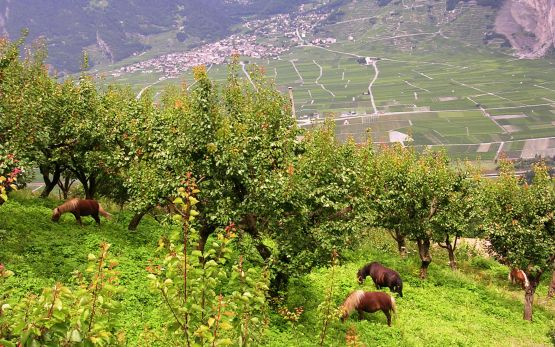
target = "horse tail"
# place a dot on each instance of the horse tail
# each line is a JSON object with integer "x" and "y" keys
{"x": 352, "y": 302}
{"x": 104, "y": 213}
{"x": 510, "y": 277}
{"x": 393, "y": 306}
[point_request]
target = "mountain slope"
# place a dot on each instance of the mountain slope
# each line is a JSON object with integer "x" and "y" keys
{"x": 118, "y": 29}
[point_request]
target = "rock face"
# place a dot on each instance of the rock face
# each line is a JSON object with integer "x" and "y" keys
{"x": 529, "y": 25}
{"x": 4, "y": 15}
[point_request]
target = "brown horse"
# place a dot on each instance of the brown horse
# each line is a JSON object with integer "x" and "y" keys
{"x": 517, "y": 276}
{"x": 382, "y": 277}
{"x": 368, "y": 302}
{"x": 80, "y": 207}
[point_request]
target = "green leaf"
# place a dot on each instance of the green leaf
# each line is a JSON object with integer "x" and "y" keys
{"x": 75, "y": 336}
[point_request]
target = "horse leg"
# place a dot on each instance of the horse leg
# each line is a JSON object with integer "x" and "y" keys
{"x": 388, "y": 315}
{"x": 360, "y": 314}
{"x": 77, "y": 218}
{"x": 96, "y": 218}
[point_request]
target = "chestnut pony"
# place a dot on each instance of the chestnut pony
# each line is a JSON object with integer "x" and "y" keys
{"x": 382, "y": 277}
{"x": 368, "y": 302}
{"x": 80, "y": 207}
{"x": 517, "y": 276}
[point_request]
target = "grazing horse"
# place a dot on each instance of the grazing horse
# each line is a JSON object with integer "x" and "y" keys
{"x": 80, "y": 207}
{"x": 382, "y": 277}
{"x": 368, "y": 302}
{"x": 517, "y": 276}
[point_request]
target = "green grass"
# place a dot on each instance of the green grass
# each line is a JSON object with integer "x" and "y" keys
{"x": 475, "y": 306}
{"x": 41, "y": 253}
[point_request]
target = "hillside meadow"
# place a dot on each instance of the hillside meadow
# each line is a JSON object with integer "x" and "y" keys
{"x": 474, "y": 306}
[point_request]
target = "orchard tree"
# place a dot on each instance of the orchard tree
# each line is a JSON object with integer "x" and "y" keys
{"x": 253, "y": 168}
{"x": 29, "y": 120}
{"x": 385, "y": 178}
{"x": 461, "y": 215}
{"x": 58, "y": 127}
{"x": 315, "y": 205}
{"x": 410, "y": 189}
{"x": 521, "y": 224}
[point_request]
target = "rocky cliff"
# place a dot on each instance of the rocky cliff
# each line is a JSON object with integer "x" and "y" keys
{"x": 529, "y": 25}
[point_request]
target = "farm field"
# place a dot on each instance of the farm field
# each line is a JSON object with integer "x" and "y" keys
{"x": 475, "y": 306}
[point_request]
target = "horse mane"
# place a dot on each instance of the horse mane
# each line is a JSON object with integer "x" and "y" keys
{"x": 393, "y": 306}
{"x": 526, "y": 282}
{"x": 67, "y": 206}
{"x": 365, "y": 270}
{"x": 352, "y": 302}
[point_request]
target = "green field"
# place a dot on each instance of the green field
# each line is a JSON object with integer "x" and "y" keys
{"x": 475, "y": 306}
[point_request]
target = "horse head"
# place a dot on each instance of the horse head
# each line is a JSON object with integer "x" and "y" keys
{"x": 56, "y": 215}
{"x": 360, "y": 276}
{"x": 399, "y": 286}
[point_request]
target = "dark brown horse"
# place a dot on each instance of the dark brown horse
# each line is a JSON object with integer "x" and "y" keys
{"x": 382, "y": 277}
{"x": 78, "y": 208}
{"x": 368, "y": 302}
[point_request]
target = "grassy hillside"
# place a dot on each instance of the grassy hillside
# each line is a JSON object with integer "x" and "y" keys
{"x": 475, "y": 306}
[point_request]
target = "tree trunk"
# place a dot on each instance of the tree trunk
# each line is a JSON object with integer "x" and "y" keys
{"x": 137, "y": 219}
{"x": 49, "y": 184}
{"x": 278, "y": 284}
{"x": 551, "y": 291}
{"x": 451, "y": 251}
{"x": 401, "y": 243}
{"x": 529, "y": 292}
{"x": 205, "y": 231}
{"x": 452, "y": 260}
{"x": 65, "y": 186}
{"x": 425, "y": 257}
{"x": 91, "y": 188}
{"x": 89, "y": 184}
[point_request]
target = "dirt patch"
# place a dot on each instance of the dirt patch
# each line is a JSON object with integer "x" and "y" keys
{"x": 483, "y": 148}
{"x": 448, "y": 98}
{"x": 511, "y": 128}
{"x": 509, "y": 116}
{"x": 536, "y": 147}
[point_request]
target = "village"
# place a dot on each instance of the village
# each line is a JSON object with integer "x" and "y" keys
{"x": 280, "y": 33}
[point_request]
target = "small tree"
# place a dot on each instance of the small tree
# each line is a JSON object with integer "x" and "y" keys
{"x": 410, "y": 189}
{"x": 386, "y": 178}
{"x": 208, "y": 302}
{"x": 521, "y": 224}
{"x": 461, "y": 214}
{"x": 64, "y": 316}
